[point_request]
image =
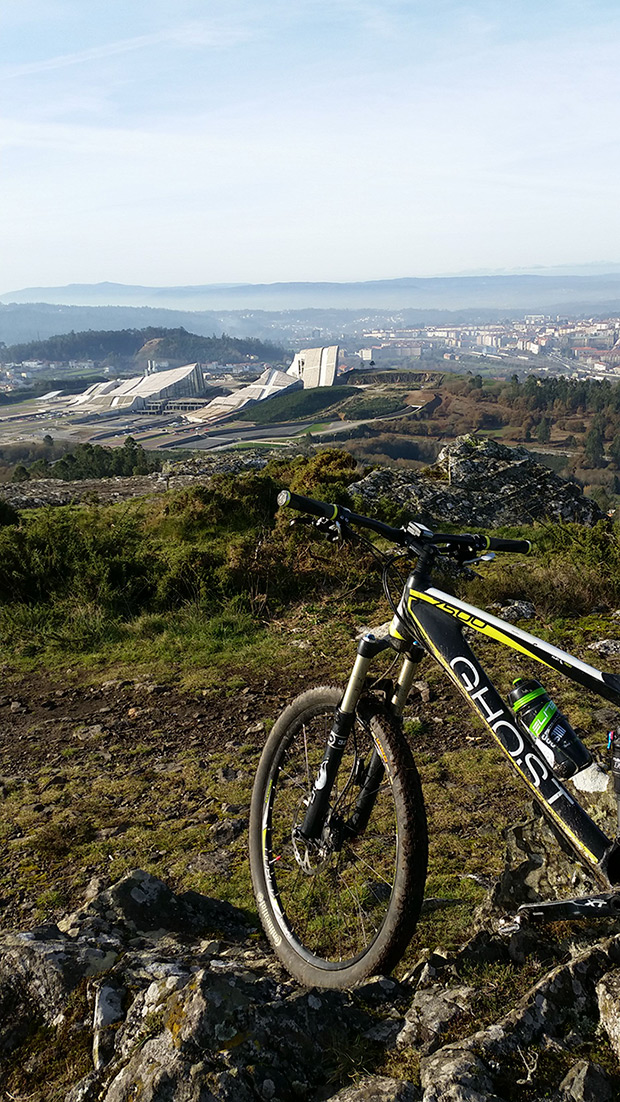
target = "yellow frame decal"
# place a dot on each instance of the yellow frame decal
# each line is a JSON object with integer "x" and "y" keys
{"x": 466, "y": 618}
{"x": 474, "y": 622}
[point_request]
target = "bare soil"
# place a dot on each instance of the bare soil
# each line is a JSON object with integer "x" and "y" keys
{"x": 97, "y": 779}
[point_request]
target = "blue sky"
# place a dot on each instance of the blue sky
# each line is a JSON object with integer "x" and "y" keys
{"x": 204, "y": 141}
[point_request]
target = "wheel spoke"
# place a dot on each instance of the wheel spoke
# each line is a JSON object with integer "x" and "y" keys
{"x": 335, "y": 910}
{"x": 343, "y": 905}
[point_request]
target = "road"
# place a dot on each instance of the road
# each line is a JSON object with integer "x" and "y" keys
{"x": 287, "y": 430}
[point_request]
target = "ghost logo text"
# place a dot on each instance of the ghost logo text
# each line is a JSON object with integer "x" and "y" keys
{"x": 488, "y": 704}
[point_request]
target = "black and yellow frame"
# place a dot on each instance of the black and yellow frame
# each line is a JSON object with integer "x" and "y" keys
{"x": 431, "y": 620}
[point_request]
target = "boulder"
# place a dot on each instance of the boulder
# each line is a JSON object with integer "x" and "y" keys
{"x": 379, "y": 1088}
{"x": 480, "y": 483}
{"x": 586, "y": 1082}
{"x": 608, "y": 993}
{"x": 484, "y": 1065}
{"x": 432, "y": 1012}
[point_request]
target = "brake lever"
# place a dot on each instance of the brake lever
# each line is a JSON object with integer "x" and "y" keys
{"x": 487, "y": 557}
{"x": 331, "y": 529}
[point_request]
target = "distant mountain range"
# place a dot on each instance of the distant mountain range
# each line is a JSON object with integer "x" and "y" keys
{"x": 292, "y": 312}
{"x": 508, "y": 292}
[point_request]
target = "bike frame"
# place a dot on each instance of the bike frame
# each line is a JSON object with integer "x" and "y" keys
{"x": 428, "y": 620}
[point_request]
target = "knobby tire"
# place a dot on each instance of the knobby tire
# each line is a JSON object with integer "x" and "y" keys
{"x": 336, "y": 916}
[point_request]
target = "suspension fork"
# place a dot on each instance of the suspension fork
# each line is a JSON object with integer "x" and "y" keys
{"x": 405, "y": 681}
{"x": 376, "y": 769}
{"x": 344, "y": 718}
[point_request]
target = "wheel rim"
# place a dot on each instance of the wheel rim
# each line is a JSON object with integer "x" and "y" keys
{"x": 329, "y": 900}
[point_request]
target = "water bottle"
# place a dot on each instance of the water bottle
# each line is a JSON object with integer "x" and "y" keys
{"x": 541, "y": 718}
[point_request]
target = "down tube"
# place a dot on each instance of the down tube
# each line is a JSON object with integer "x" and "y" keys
{"x": 445, "y": 640}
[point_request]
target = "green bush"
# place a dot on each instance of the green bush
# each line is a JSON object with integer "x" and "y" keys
{"x": 228, "y": 502}
{"x": 573, "y": 570}
{"x": 8, "y": 515}
{"x": 326, "y": 476}
{"x": 85, "y": 552}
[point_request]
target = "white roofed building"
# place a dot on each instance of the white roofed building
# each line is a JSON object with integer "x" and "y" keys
{"x": 312, "y": 367}
{"x": 133, "y": 394}
{"x": 270, "y": 383}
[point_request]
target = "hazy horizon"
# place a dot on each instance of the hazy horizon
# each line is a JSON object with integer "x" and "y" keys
{"x": 594, "y": 268}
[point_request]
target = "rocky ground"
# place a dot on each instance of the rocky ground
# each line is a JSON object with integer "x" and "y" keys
{"x": 57, "y": 491}
{"x": 152, "y": 995}
{"x": 143, "y": 990}
{"x": 479, "y": 482}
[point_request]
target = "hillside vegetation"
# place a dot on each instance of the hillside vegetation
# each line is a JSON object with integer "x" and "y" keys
{"x": 115, "y": 346}
{"x": 95, "y": 580}
{"x": 83, "y": 461}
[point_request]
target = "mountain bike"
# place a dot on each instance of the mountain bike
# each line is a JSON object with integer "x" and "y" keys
{"x": 338, "y": 833}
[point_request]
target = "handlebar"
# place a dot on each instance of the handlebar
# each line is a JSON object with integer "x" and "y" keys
{"x": 308, "y": 505}
{"x": 495, "y": 543}
{"x": 340, "y": 512}
{"x": 416, "y": 536}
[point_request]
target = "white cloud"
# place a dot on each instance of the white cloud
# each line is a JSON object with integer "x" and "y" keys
{"x": 193, "y": 34}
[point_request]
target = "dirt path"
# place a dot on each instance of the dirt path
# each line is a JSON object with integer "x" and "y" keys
{"x": 96, "y": 779}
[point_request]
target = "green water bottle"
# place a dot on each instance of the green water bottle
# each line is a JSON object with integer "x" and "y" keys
{"x": 541, "y": 718}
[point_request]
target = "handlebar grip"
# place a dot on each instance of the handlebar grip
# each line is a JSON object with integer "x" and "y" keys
{"x": 308, "y": 505}
{"x": 494, "y": 543}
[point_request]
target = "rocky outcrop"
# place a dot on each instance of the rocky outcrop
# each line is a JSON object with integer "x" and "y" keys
{"x": 473, "y": 482}
{"x": 480, "y": 482}
{"x": 174, "y": 476}
{"x": 488, "y": 1063}
{"x": 183, "y": 1005}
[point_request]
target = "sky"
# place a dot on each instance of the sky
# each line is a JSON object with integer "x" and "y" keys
{"x": 177, "y": 142}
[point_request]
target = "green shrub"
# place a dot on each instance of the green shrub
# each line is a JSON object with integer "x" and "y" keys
{"x": 8, "y": 515}
{"x": 227, "y": 502}
{"x": 573, "y": 570}
{"x": 326, "y": 476}
{"x": 87, "y": 552}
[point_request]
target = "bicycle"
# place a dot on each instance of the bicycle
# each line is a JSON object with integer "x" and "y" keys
{"x": 338, "y": 835}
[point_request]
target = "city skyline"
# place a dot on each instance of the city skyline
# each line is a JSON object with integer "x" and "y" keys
{"x": 343, "y": 140}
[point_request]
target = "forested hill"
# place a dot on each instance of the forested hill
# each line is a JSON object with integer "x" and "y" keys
{"x": 126, "y": 344}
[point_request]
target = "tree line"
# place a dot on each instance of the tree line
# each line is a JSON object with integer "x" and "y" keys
{"x": 90, "y": 461}
{"x": 113, "y": 346}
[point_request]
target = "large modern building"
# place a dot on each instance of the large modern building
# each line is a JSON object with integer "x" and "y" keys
{"x": 315, "y": 366}
{"x": 270, "y": 383}
{"x": 310, "y": 368}
{"x": 134, "y": 394}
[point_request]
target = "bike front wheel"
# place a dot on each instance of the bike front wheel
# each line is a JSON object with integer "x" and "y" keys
{"x": 344, "y": 907}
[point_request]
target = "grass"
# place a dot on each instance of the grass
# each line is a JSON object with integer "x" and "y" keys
{"x": 298, "y": 404}
{"x": 88, "y": 818}
{"x": 51, "y": 1060}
